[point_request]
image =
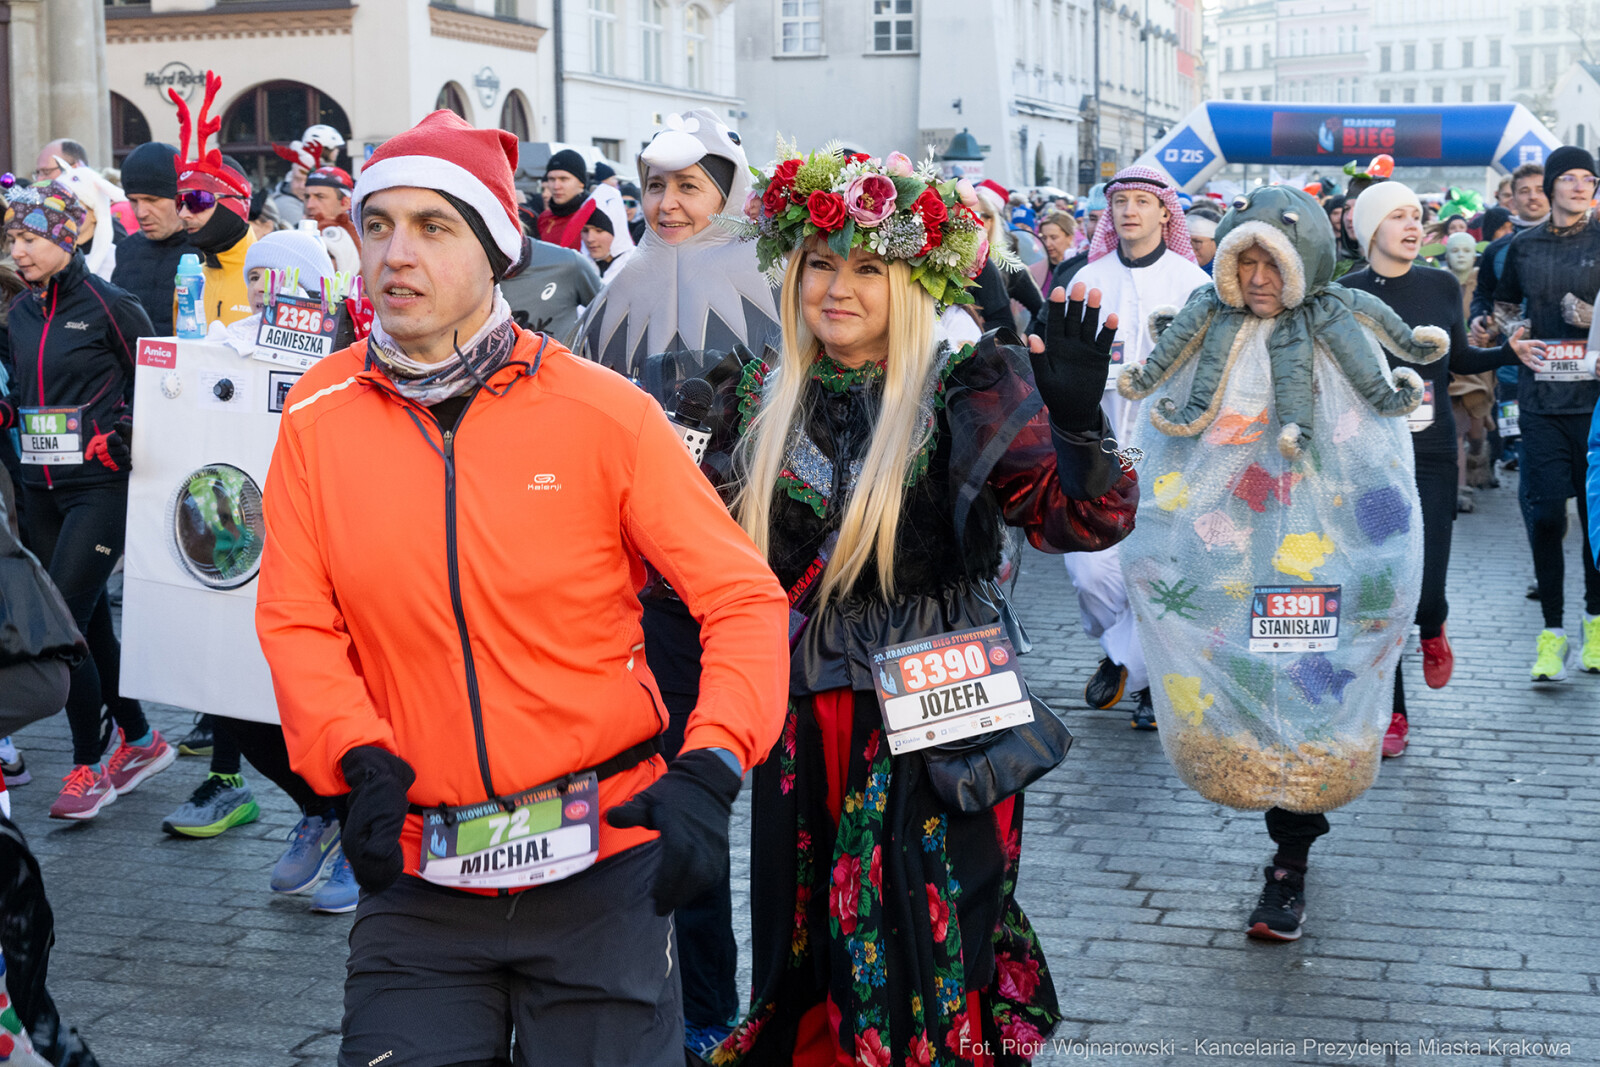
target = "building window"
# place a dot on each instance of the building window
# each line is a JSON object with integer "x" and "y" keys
{"x": 695, "y": 24}
{"x": 1579, "y": 141}
{"x": 1341, "y": 38}
{"x": 894, "y": 25}
{"x": 1266, "y": 54}
{"x": 1384, "y": 96}
{"x": 1340, "y": 98}
{"x": 514, "y": 117}
{"x": 451, "y": 98}
{"x": 1438, "y": 55}
{"x": 1410, "y": 54}
{"x": 1552, "y": 18}
{"x": 1525, "y": 19}
{"x": 279, "y": 112}
{"x": 800, "y": 27}
{"x": 1248, "y": 57}
{"x": 1385, "y": 58}
{"x": 651, "y": 15}
{"x": 1466, "y": 94}
{"x": 1466, "y": 54}
{"x": 1266, "y": 92}
{"x": 1227, "y": 94}
{"x": 1494, "y": 52}
{"x": 609, "y": 147}
{"x": 1246, "y": 94}
{"x": 1551, "y": 66}
{"x": 506, "y": 9}
{"x": 1494, "y": 91}
{"x": 1227, "y": 59}
{"x": 603, "y": 35}
{"x": 1438, "y": 94}
{"x": 1409, "y": 96}
{"x": 129, "y": 127}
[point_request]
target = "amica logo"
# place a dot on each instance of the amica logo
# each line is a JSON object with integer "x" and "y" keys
{"x": 544, "y": 483}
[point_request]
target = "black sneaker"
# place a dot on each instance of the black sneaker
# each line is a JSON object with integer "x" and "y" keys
{"x": 1282, "y": 907}
{"x": 1533, "y": 590}
{"x": 200, "y": 740}
{"x": 1106, "y": 685}
{"x": 1144, "y": 715}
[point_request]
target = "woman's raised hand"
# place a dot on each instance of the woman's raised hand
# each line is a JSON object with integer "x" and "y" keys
{"x": 1071, "y": 361}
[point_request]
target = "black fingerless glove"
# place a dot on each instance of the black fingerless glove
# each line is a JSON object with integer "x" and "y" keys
{"x": 689, "y": 806}
{"x": 1071, "y": 371}
{"x": 378, "y": 781}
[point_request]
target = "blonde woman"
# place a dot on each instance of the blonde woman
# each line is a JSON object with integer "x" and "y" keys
{"x": 876, "y": 468}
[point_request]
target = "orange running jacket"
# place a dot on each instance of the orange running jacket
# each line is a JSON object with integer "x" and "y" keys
{"x": 468, "y": 601}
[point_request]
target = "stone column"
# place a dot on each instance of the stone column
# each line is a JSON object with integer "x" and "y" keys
{"x": 80, "y": 100}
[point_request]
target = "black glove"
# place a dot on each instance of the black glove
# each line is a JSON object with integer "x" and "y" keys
{"x": 1071, "y": 371}
{"x": 689, "y": 806}
{"x": 378, "y": 782}
{"x": 113, "y": 450}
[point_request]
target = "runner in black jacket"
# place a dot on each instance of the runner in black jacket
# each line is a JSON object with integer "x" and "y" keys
{"x": 147, "y": 261}
{"x": 71, "y": 364}
{"x": 1388, "y": 223}
{"x": 1544, "y": 267}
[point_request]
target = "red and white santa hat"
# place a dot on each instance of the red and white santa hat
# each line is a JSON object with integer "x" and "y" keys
{"x": 443, "y": 152}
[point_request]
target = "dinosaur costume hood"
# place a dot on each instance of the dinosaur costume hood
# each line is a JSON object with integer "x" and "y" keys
{"x": 1294, "y": 231}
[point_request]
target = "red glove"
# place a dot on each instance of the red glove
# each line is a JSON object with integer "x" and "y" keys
{"x": 8, "y": 415}
{"x": 361, "y": 314}
{"x": 112, "y": 450}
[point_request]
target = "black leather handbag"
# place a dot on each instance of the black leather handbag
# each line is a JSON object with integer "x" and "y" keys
{"x": 973, "y": 776}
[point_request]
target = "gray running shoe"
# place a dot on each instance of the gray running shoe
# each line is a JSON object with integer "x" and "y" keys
{"x": 221, "y": 801}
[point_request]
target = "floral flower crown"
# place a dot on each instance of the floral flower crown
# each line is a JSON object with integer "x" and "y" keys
{"x": 889, "y": 206}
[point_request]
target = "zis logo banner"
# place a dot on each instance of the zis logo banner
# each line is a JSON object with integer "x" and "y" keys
{"x": 1310, "y": 133}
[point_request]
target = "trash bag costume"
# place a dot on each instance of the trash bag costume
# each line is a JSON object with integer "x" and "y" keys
{"x": 1276, "y": 577}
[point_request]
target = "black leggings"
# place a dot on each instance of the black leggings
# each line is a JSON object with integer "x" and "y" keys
{"x": 1554, "y": 467}
{"x": 263, "y": 745}
{"x": 78, "y": 532}
{"x": 1293, "y": 832}
{"x": 1436, "y": 486}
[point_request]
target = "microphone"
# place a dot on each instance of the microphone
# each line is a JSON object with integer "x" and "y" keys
{"x": 690, "y": 403}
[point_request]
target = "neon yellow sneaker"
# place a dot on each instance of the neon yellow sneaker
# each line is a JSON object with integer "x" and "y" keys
{"x": 1551, "y": 664}
{"x": 1591, "y": 645}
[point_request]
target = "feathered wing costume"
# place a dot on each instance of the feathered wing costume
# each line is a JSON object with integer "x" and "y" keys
{"x": 704, "y": 293}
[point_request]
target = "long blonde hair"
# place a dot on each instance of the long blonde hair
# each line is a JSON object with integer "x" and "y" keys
{"x": 872, "y": 514}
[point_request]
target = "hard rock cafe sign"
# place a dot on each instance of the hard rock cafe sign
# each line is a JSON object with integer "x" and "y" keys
{"x": 174, "y": 75}
{"x": 487, "y": 82}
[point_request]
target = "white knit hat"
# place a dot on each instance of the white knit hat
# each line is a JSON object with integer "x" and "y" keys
{"x": 291, "y": 248}
{"x": 1374, "y": 205}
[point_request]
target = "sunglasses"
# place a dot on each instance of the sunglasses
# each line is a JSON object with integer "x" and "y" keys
{"x": 198, "y": 200}
{"x": 629, "y": 201}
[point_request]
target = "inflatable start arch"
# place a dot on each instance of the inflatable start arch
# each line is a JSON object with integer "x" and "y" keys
{"x": 1220, "y": 132}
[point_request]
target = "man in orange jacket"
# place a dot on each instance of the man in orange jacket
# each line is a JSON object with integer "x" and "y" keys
{"x": 459, "y": 516}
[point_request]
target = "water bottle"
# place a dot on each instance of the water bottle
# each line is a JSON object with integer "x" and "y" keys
{"x": 191, "y": 287}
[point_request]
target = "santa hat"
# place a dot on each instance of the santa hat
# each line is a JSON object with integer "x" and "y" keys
{"x": 995, "y": 187}
{"x": 206, "y": 169}
{"x": 444, "y": 153}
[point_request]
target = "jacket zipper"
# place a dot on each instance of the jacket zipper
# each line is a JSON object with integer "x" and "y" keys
{"x": 55, "y": 292}
{"x": 474, "y": 700}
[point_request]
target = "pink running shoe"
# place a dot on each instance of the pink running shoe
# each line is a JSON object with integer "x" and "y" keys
{"x": 85, "y": 793}
{"x": 132, "y": 764}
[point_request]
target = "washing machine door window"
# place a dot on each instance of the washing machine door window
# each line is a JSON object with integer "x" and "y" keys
{"x": 217, "y": 527}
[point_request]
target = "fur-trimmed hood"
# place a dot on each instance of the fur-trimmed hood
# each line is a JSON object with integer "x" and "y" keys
{"x": 1293, "y": 229}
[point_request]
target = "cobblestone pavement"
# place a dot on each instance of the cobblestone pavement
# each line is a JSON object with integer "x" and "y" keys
{"x": 1456, "y": 902}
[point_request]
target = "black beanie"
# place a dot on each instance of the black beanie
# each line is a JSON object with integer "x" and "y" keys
{"x": 151, "y": 170}
{"x": 569, "y": 161}
{"x": 600, "y": 220}
{"x": 1567, "y": 157}
{"x": 602, "y": 171}
{"x": 720, "y": 171}
{"x": 1493, "y": 219}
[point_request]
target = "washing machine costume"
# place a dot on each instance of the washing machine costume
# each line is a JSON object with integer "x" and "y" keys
{"x": 1276, "y": 578}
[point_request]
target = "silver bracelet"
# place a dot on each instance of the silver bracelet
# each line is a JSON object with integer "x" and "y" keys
{"x": 1127, "y": 457}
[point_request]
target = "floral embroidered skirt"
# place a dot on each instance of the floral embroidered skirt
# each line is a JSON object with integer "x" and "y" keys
{"x": 886, "y": 932}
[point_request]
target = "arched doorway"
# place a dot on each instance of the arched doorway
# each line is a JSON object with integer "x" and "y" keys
{"x": 278, "y": 112}
{"x": 129, "y": 128}
{"x": 514, "y": 116}
{"x": 451, "y": 98}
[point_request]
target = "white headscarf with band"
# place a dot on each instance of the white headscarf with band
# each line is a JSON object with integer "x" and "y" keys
{"x": 1176, "y": 234}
